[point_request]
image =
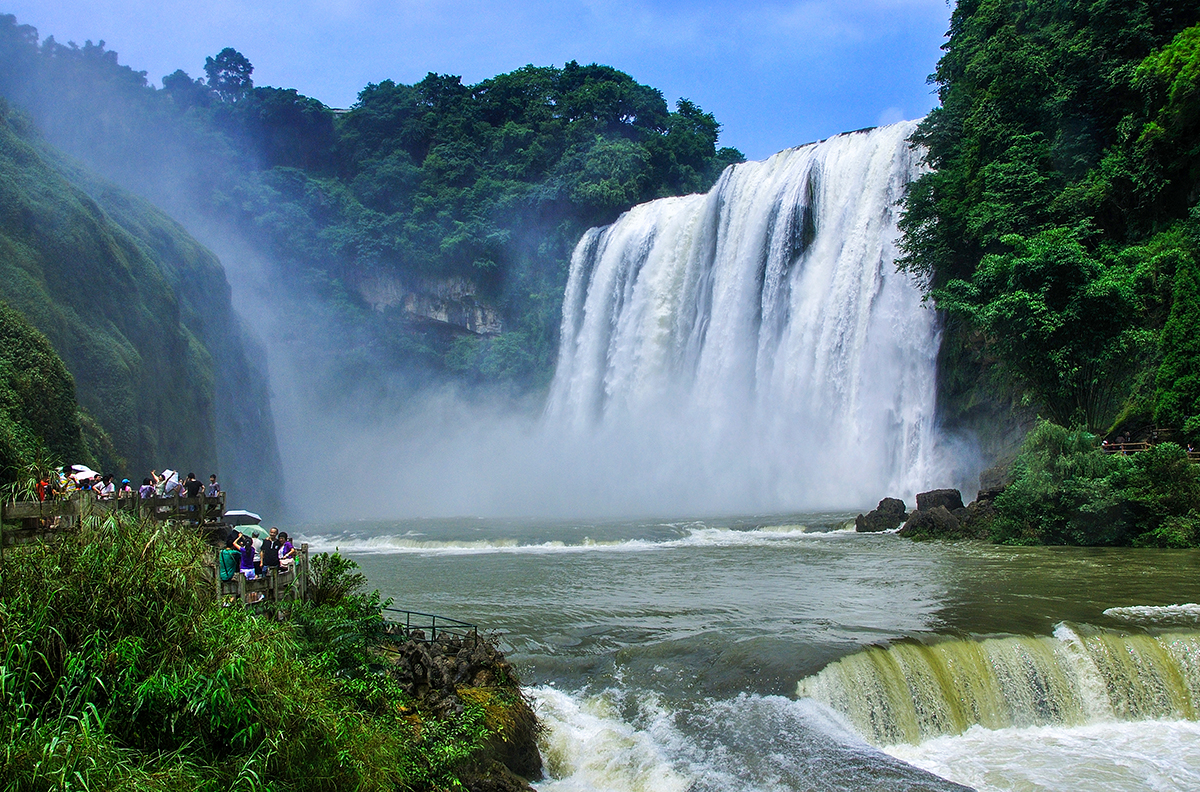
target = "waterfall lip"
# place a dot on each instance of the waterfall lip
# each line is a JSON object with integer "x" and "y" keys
{"x": 921, "y": 687}
{"x": 754, "y": 347}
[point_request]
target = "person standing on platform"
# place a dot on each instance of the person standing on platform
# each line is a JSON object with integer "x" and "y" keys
{"x": 270, "y": 551}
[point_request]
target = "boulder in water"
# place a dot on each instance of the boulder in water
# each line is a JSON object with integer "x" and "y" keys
{"x": 951, "y": 499}
{"x": 887, "y": 516}
{"x": 935, "y": 523}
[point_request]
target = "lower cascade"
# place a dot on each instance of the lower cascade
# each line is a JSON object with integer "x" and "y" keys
{"x": 909, "y": 692}
{"x": 759, "y": 334}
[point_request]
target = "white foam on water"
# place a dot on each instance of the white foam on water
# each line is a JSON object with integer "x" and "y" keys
{"x": 587, "y": 747}
{"x": 1157, "y": 614}
{"x": 695, "y": 537}
{"x": 1138, "y": 756}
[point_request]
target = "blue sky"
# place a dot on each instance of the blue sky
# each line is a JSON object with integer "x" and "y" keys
{"x": 775, "y": 74}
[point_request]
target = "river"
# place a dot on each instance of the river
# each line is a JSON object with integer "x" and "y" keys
{"x": 786, "y": 652}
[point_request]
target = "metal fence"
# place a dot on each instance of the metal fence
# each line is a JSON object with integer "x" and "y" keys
{"x": 426, "y": 627}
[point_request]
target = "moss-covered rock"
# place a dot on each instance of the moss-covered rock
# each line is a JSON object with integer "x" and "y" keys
{"x": 38, "y": 413}
{"x": 140, "y": 314}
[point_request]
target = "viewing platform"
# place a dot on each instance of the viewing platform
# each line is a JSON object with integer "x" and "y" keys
{"x": 42, "y": 519}
{"x": 46, "y": 521}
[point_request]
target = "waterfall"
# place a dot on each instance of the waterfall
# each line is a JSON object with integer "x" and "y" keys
{"x": 758, "y": 338}
{"x": 909, "y": 692}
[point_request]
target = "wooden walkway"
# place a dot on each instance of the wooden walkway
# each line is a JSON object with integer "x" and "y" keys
{"x": 1125, "y": 449}
{"x": 28, "y": 522}
{"x": 43, "y": 519}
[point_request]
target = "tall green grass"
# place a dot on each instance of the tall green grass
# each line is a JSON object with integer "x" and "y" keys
{"x": 120, "y": 670}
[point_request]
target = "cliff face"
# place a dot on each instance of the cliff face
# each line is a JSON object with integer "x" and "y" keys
{"x": 452, "y": 302}
{"x": 139, "y": 312}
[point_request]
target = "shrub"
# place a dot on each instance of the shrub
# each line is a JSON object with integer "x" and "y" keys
{"x": 1065, "y": 490}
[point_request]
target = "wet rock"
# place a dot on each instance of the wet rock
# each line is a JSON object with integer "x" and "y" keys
{"x": 493, "y": 776}
{"x": 976, "y": 523}
{"x": 950, "y": 499}
{"x": 446, "y": 675}
{"x": 887, "y": 516}
{"x": 934, "y": 523}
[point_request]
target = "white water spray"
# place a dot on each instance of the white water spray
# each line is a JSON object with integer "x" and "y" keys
{"x": 758, "y": 338}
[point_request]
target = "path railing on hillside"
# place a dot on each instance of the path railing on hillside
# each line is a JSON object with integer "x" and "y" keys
{"x": 1156, "y": 436}
{"x": 426, "y": 627}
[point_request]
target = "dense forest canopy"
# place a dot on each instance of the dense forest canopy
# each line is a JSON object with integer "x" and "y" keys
{"x": 490, "y": 183}
{"x": 1060, "y": 222}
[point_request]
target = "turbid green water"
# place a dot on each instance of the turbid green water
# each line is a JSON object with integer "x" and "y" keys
{"x": 667, "y": 654}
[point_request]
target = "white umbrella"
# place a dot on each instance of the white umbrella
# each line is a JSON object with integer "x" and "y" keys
{"x": 241, "y": 517}
{"x": 83, "y": 473}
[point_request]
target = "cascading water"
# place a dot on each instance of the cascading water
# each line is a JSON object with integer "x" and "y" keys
{"x": 759, "y": 335}
{"x": 910, "y": 692}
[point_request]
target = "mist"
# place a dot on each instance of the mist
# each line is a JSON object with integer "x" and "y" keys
{"x": 685, "y": 384}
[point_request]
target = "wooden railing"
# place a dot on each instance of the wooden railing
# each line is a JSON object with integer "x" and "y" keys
{"x": 1124, "y": 448}
{"x": 42, "y": 520}
{"x": 274, "y": 585}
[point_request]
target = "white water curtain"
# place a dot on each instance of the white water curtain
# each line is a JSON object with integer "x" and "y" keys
{"x": 757, "y": 339}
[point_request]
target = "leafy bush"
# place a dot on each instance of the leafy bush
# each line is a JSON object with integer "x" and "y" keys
{"x": 1066, "y": 490}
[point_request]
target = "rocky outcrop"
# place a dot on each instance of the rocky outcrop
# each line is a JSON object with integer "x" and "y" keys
{"x": 951, "y": 499}
{"x": 940, "y": 514}
{"x": 935, "y": 523}
{"x": 452, "y": 302}
{"x": 449, "y": 674}
{"x": 887, "y": 516}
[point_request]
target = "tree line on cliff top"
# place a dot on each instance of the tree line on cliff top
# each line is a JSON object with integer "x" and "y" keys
{"x": 492, "y": 182}
{"x": 1060, "y": 224}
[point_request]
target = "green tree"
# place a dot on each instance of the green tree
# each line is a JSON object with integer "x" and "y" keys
{"x": 229, "y": 75}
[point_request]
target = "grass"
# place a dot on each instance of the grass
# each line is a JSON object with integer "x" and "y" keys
{"x": 121, "y": 671}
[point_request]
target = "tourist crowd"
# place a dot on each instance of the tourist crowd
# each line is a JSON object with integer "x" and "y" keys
{"x": 255, "y": 557}
{"x": 65, "y": 481}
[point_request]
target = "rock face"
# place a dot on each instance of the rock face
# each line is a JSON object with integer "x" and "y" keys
{"x": 452, "y": 302}
{"x": 950, "y": 498}
{"x": 451, "y": 673}
{"x": 887, "y": 516}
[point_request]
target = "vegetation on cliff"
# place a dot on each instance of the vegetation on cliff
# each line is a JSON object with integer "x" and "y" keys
{"x": 1061, "y": 207}
{"x": 139, "y": 312}
{"x": 120, "y": 670}
{"x": 490, "y": 183}
{"x": 39, "y": 417}
{"x": 1060, "y": 234}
